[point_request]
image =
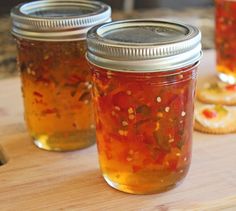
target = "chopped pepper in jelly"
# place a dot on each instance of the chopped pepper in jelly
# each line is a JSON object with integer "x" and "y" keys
{"x": 144, "y": 125}
{"x": 56, "y": 89}
{"x": 226, "y": 38}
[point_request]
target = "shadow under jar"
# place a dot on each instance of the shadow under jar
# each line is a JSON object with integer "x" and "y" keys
{"x": 56, "y": 84}
{"x": 144, "y": 75}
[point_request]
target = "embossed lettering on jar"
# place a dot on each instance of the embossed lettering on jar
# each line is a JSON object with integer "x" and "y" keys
{"x": 144, "y": 75}
{"x": 56, "y": 84}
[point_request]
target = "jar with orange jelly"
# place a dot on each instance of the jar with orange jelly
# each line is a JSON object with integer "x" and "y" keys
{"x": 144, "y": 75}
{"x": 56, "y": 85}
{"x": 225, "y": 40}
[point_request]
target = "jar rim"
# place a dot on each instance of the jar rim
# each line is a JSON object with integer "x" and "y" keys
{"x": 57, "y": 20}
{"x": 162, "y": 46}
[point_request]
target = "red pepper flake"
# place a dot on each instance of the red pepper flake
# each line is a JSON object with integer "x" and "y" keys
{"x": 108, "y": 155}
{"x": 122, "y": 100}
{"x": 76, "y": 106}
{"x": 136, "y": 168}
{"x": 39, "y": 101}
{"x": 43, "y": 80}
{"x": 147, "y": 162}
{"x": 74, "y": 79}
{"x": 37, "y": 94}
{"x": 49, "y": 111}
{"x": 231, "y": 87}
{"x": 99, "y": 125}
{"x": 210, "y": 114}
{"x": 160, "y": 157}
{"x": 173, "y": 165}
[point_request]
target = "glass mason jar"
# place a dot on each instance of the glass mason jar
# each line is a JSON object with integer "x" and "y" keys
{"x": 56, "y": 84}
{"x": 225, "y": 40}
{"x": 144, "y": 75}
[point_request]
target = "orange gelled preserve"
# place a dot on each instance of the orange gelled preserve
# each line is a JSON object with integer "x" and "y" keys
{"x": 56, "y": 84}
{"x": 144, "y": 75}
{"x": 225, "y": 39}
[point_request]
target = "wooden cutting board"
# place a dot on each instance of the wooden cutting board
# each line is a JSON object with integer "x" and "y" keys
{"x": 34, "y": 179}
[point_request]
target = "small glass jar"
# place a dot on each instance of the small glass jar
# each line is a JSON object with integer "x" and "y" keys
{"x": 56, "y": 84}
{"x": 225, "y": 40}
{"x": 144, "y": 75}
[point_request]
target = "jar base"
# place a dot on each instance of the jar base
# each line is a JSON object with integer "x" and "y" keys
{"x": 140, "y": 190}
{"x": 59, "y": 142}
{"x": 227, "y": 78}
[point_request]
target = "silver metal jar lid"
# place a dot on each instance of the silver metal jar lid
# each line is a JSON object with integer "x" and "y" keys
{"x": 57, "y": 20}
{"x": 144, "y": 45}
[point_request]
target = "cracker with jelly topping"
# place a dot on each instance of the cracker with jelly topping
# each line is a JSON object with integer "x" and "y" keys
{"x": 215, "y": 119}
{"x": 218, "y": 93}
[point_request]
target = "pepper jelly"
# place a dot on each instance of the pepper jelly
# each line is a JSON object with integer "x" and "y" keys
{"x": 144, "y": 75}
{"x": 56, "y": 86}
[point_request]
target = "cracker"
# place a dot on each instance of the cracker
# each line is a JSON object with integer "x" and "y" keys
{"x": 217, "y": 131}
{"x": 218, "y": 119}
{"x": 216, "y": 93}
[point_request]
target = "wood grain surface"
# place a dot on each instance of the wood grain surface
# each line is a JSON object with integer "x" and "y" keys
{"x": 34, "y": 179}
